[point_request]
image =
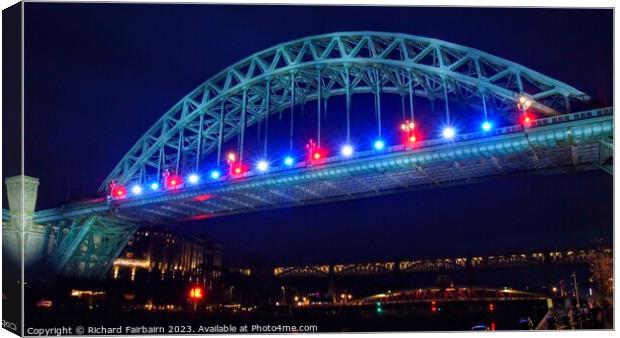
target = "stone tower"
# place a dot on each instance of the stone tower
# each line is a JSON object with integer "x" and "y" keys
{"x": 20, "y": 230}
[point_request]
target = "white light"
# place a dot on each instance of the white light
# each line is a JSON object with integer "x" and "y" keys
{"x": 347, "y": 150}
{"x": 262, "y": 165}
{"x": 154, "y": 186}
{"x": 193, "y": 178}
{"x": 136, "y": 189}
{"x": 448, "y": 132}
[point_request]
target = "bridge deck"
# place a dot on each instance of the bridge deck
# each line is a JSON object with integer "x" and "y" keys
{"x": 560, "y": 144}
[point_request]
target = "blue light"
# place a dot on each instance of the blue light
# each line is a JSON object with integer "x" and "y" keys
{"x": 154, "y": 186}
{"x": 486, "y": 125}
{"x": 215, "y": 174}
{"x": 136, "y": 189}
{"x": 193, "y": 179}
{"x": 379, "y": 145}
{"x": 289, "y": 161}
{"x": 448, "y": 132}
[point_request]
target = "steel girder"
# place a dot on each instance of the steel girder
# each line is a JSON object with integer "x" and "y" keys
{"x": 85, "y": 247}
{"x": 327, "y": 65}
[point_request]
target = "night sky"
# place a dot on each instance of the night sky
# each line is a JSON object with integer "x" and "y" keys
{"x": 99, "y": 75}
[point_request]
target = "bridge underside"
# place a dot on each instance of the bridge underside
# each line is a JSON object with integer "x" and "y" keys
{"x": 372, "y": 174}
{"x": 559, "y": 160}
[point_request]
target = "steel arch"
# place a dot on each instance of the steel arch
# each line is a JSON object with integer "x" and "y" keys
{"x": 322, "y": 66}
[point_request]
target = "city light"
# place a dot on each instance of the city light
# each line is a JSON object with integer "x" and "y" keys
{"x": 262, "y": 165}
{"x": 346, "y": 150}
{"x": 379, "y": 145}
{"x": 289, "y": 161}
{"x": 154, "y": 186}
{"x": 448, "y": 132}
{"x": 196, "y": 293}
{"x": 193, "y": 179}
{"x": 136, "y": 189}
{"x": 215, "y": 174}
{"x": 486, "y": 126}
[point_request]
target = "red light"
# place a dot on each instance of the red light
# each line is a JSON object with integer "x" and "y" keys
{"x": 173, "y": 181}
{"x": 433, "y": 306}
{"x": 314, "y": 152}
{"x": 408, "y": 128}
{"x": 491, "y": 307}
{"x": 492, "y": 326}
{"x": 119, "y": 191}
{"x": 318, "y": 154}
{"x": 196, "y": 293}
{"x": 238, "y": 169}
{"x": 202, "y": 198}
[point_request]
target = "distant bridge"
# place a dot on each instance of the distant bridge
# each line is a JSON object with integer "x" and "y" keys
{"x": 556, "y": 258}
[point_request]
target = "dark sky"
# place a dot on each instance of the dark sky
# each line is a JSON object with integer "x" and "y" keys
{"x": 99, "y": 75}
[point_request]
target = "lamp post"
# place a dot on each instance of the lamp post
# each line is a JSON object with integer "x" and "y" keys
{"x": 523, "y": 105}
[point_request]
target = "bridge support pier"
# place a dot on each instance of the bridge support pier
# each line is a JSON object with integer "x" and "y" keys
{"x": 548, "y": 273}
{"x": 79, "y": 247}
{"x": 470, "y": 271}
{"x": 331, "y": 283}
{"x": 399, "y": 282}
{"x": 21, "y": 238}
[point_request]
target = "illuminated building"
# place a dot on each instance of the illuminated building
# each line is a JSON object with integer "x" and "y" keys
{"x": 154, "y": 253}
